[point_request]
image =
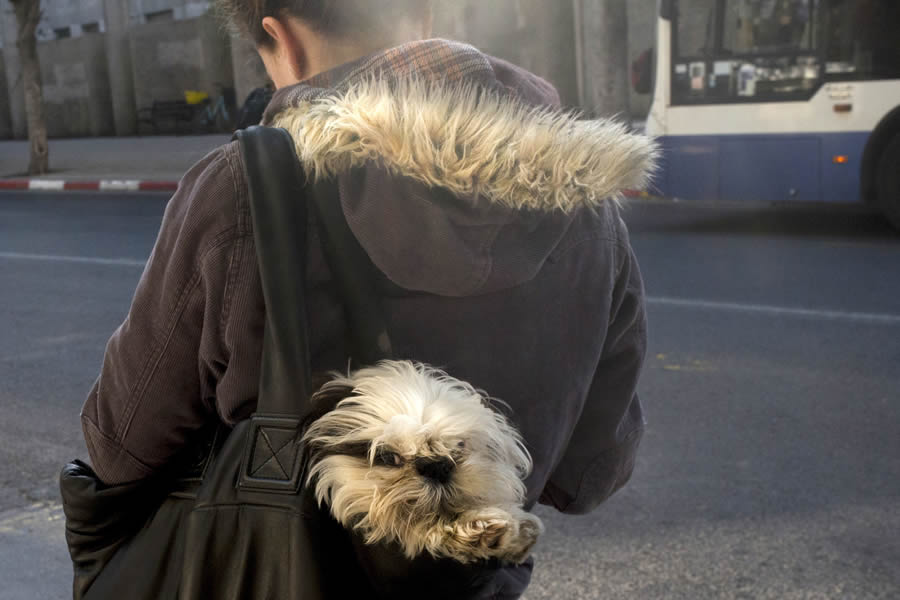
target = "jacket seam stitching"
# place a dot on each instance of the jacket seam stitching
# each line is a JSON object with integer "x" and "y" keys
{"x": 241, "y": 208}
{"x": 486, "y": 251}
{"x": 120, "y": 447}
{"x": 234, "y": 269}
{"x": 237, "y": 256}
{"x": 152, "y": 363}
{"x": 159, "y": 350}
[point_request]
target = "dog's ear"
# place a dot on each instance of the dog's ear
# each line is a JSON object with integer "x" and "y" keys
{"x": 329, "y": 396}
{"x": 324, "y": 401}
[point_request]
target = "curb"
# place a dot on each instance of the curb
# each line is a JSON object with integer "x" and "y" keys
{"x": 103, "y": 185}
{"x": 135, "y": 185}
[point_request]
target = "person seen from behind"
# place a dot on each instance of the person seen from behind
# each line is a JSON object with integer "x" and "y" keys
{"x": 491, "y": 210}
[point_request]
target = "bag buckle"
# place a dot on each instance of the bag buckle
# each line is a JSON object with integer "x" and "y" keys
{"x": 272, "y": 461}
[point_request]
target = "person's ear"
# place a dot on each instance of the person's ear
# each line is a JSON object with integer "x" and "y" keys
{"x": 285, "y": 56}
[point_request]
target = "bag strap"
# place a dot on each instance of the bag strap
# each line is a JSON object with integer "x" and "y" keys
{"x": 278, "y": 205}
{"x": 356, "y": 276}
{"x": 276, "y": 182}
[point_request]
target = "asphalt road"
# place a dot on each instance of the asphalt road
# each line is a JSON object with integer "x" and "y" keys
{"x": 771, "y": 463}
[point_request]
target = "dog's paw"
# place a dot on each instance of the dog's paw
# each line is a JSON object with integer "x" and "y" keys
{"x": 529, "y": 528}
{"x": 496, "y": 533}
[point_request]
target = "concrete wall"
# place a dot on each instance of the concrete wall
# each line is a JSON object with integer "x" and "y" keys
{"x": 641, "y": 36}
{"x": 152, "y": 6}
{"x": 539, "y": 36}
{"x": 118, "y": 63}
{"x": 77, "y": 101}
{"x": 5, "y": 119}
{"x": 249, "y": 70}
{"x": 181, "y": 9}
{"x": 450, "y": 20}
{"x": 66, "y": 13}
{"x": 533, "y": 34}
{"x": 171, "y": 57}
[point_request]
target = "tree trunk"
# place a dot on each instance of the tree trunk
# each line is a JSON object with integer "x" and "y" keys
{"x": 604, "y": 36}
{"x": 28, "y": 15}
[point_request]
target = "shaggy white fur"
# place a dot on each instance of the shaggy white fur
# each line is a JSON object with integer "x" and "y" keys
{"x": 415, "y": 457}
{"x": 471, "y": 141}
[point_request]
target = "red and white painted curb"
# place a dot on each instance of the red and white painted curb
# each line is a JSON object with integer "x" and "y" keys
{"x": 136, "y": 185}
{"x": 102, "y": 185}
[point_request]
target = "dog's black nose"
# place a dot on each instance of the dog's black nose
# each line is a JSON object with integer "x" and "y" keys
{"x": 438, "y": 469}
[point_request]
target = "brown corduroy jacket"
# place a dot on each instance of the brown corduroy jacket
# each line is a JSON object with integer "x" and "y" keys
{"x": 480, "y": 197}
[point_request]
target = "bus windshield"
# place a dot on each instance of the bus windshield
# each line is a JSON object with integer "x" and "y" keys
{"x": 779, "y": 50}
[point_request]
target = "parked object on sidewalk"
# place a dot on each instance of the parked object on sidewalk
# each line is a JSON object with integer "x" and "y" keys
{"x": 213, "y": 115}
{"x": 166, "y": 113}
{"x": 195, "y": 97}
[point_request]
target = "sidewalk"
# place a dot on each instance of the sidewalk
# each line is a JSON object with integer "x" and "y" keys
{"x": 154, "y": 163}
{"x": 34, "y": 564}
{"x": 149, "y": 159}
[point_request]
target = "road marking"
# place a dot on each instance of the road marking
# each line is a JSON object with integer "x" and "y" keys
{"x": 87, "y": 260}
{"x": 35, "y": 516}
{"x": 130, "y": 185}
{"x": 827, "y": 315}
{"x": 46, "y": 185}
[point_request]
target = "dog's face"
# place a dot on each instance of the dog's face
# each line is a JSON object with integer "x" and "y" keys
{"x": 406, "y": 447}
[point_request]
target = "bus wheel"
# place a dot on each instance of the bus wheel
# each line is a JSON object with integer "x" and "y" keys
{"x": 888, "y": 181}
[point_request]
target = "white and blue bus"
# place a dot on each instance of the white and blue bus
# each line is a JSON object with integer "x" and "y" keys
{"x": 779, "y": 101}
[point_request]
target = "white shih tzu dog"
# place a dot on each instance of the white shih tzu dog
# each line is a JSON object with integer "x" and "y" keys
{"x": 411, "y": 456}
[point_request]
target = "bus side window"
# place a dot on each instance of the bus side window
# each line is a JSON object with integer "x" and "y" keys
{"x": 696, "y": 28}
{"x": 863, "y": 41}
{"x": 769, "y": 25}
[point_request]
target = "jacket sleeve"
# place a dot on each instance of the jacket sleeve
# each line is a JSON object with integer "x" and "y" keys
{"x": 157, "y": 383}
{"x": 600, "y": 456}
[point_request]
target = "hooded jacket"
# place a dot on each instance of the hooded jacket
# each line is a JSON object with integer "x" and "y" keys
{"x": 493, "y": 212}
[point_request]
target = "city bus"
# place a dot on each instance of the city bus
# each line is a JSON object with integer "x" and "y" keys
{"x": 779, "y": 101}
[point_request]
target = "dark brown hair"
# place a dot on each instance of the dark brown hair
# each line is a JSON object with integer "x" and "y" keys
{"x": 343, "y": 18}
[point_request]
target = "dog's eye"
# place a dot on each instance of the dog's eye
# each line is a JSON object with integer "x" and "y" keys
{"x": 388, "y": 459}
{"x": 461, "y": 445}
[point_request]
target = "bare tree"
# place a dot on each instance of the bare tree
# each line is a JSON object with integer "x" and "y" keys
{"x": 602, "y": 33}
{"x": 28, "y": 15}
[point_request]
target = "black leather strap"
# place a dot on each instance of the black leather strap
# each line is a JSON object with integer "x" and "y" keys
{"x": 279, "y": 208}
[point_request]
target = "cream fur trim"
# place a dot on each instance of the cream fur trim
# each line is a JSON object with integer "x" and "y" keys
{"x": 471, "y": 141}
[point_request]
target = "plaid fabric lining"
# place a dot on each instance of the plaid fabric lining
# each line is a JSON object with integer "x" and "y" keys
{"x": 430, "y": 60}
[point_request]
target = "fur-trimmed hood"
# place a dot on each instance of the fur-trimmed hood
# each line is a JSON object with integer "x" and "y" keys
{"x": 470, "y": 141}
{"x": 472, "y": 174}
